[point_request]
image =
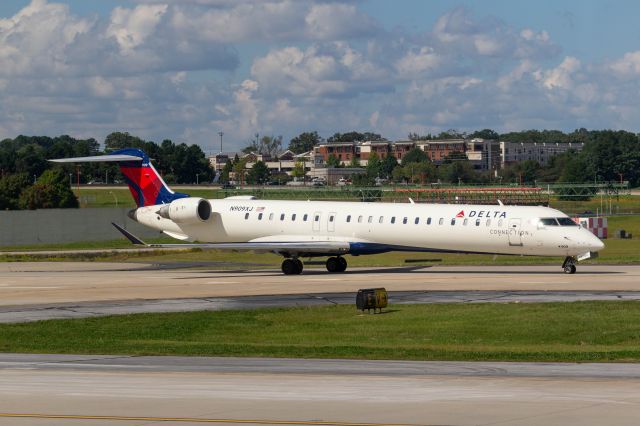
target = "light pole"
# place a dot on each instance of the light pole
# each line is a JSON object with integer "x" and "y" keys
{"x": 197, "y": 178}
{"x": 221, "y": 135}
{"x": 70, "y": 180}
{"x": 114, "y": 197}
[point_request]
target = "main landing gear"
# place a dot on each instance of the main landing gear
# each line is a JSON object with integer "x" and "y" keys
{"x": 292, "y": 266}
{"x": 569, "y": 265}
{"x": 336, "y": 264}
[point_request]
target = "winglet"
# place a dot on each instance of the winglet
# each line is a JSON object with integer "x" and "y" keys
{"x": 135, "y": 240}
{"x": 411, "y": 200}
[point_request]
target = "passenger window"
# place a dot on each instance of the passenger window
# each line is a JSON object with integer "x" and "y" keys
{"x": 282, "y": 216}
{"x": 404, "y": 221}
{"x": 370, "y": 219}
{"x": 360, "y": 219}
{"x": 246, "y": 216}
{"x": 270, "y": 216}
{"x": 381, "y": 219}
{"x": 465, "y": 221}
{"x": 441, "y": 221}
{"x": 488, "y": 222}
{"x": 477, "y": 222}
{"x": 304, "y": 218}
{"x": 453, "y": 221}
{"x": 393, "y": 219}
{"x": 348, "y": 218}
{"x": 293, "y": 217}
{"x": 417, "y": 221}
{"x": 428, "y": 221}
{"x": 259, "y": 216}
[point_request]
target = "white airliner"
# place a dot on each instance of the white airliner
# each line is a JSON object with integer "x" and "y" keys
{"x": 304, "y": 229}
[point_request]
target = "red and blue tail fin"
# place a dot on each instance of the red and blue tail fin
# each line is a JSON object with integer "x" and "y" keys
{"x": 145, "y": 184}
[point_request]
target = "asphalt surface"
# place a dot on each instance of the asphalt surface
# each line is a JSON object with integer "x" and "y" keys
{"x": 49, "y": 290}
{"x": 28, "y": 313}
{"x": 110, "y": 390}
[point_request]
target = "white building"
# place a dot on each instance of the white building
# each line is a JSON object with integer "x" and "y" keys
{"x": 514, "y": 152}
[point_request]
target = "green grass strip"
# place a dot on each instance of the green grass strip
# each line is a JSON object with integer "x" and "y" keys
{"x": 571, "y": 332}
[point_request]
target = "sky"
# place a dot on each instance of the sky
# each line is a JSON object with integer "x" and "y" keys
{"x": 187, "y": 69}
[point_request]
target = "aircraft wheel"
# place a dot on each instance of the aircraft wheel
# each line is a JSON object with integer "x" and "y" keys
{"x": 290, "y": 267}
{"x": 299, "y": 264}
{"x": 342, "y": 262}
{"x": 333, "y": 264}
{"x": 570, "y": 269}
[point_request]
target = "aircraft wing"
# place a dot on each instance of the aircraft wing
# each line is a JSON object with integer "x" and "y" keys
{"x": 298, "y": 247}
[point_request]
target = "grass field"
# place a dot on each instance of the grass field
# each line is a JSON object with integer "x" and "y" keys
{"x": 572, "y": 332}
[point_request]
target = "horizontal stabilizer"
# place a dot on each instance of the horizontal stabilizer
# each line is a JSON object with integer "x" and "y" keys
{"x": 99, "y": 158}
{"x": 135, "y": 240}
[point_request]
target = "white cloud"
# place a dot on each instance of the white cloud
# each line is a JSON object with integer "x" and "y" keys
{"x": 131, "y": 27}
{"x": 561, "y": 77}
{"x": 416, "y": 63}
{"x": 172, "y": 69}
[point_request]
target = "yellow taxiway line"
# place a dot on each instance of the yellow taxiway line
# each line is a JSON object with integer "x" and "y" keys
{"x": 192, "y": 420}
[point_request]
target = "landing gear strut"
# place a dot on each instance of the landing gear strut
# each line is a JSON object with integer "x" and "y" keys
{"x": 336, "y": 264}
{"x": 292, "y": 266}
{"x": 569, "y": 265}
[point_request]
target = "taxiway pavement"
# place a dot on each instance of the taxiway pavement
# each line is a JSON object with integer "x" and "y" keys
{"x": 46, "y": 290}
{"x": 109, "y": 390}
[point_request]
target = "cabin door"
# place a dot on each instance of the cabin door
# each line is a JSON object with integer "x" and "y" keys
{"x": 316, "y": 221}
{"x": 331, "y": 222}
{"x": 515, "y": 236}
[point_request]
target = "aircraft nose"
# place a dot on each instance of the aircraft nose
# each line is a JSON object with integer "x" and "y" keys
{"x": 594, "y": 243}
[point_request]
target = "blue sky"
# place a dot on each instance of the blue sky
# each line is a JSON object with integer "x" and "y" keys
{"x": 186, "y": 69}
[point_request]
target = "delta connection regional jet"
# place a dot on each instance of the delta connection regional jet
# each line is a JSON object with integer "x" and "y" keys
{"x": 302, "y": 229}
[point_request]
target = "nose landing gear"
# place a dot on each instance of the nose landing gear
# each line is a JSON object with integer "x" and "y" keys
{"x": 336, "y": 264}
{"x": 292, "y": 266}
{"x": 569, "y": 265}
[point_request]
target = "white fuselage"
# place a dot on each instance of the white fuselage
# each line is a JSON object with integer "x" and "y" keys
{"x": 378, "y": 227}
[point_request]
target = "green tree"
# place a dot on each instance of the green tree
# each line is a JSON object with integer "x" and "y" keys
{"x": 355, "y": 136}
{"x": 388, "y": 164}
{"x": 416, "y": 155}
{"x": 240, "y": 169}
{"x": 298, "y": 170}
{"x": 304, "y": 142}
{"x": 332, "y": 161}
{"x": 11, "y": 186}
{"x": 51, "y": 191}
{"x": 485, "y": 134}
{"x": 355, "y": 162}
{"x": 258, "y": 174}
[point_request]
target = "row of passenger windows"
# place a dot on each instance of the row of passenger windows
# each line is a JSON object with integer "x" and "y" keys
{"x": 370, "y": 219}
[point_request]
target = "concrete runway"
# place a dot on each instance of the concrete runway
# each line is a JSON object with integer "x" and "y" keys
{"x": 45, "y": 290}
{"x": 110, "y": 390}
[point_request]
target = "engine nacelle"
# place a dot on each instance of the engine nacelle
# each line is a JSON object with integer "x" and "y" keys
{"x": 186, "y": 210}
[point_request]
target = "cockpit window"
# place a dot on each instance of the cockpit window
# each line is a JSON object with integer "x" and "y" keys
{"x": 548, "y": 221}
{"x": 566, "y": 221}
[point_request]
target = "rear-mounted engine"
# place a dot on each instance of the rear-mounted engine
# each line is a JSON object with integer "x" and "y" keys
{"x": 186, "y": 210}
